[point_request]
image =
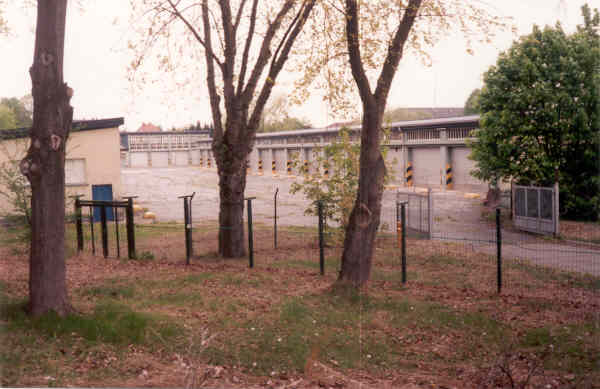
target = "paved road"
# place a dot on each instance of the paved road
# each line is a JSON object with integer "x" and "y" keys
{"x": 456, "y": 217}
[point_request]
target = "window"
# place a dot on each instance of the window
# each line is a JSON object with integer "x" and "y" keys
{"x": 75, "y": 172}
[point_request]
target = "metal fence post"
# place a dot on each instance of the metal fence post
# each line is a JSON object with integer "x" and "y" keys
{"x": 275, "y": 219}
{"x": 78, "y": 225}
{"x": 116, "y": 215}
{"x": 130, "y": 227}
{"x": 321, "y": 238}
{"x": 186, "y": 217}
{"x": 92, "y": 230}
{"x": 398, "y": 226}
{"x": 104, "y": 230}
{"x": 499, "y": 249}
{"x": 430, "y": 212}
{"x": 250, "y": 234}
{"x": 403, "y": 216}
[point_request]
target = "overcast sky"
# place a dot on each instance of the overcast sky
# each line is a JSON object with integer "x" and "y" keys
{"x": 96, "y": 62}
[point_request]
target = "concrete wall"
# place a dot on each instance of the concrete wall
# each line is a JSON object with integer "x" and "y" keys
{"x": 159, "y": 158}
{"x": 139, "y": 159}
{"x": 180, "y": 158}
{"x": 427, "y": 165}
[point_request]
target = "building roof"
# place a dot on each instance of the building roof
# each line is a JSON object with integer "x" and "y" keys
{"x": 462, "y": 121}
{"x": 148, "y": 127}
{"x": 78, "y": 125}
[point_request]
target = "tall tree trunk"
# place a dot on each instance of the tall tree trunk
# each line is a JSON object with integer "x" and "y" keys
{"x": 359, "y": 242}
{"x": 44, "y": 164}
{"x": 364, "y": 220}
{"x": 231, "y": 165}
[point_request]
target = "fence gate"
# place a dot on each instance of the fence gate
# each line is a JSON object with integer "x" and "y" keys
{"x": 419, "y": 213}
{"x": 535, "y": 209}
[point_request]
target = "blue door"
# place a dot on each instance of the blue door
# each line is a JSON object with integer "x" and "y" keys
{"x": 102, "y": 192}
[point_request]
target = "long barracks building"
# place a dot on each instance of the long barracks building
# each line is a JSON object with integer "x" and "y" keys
{"x": 432, "y": 152}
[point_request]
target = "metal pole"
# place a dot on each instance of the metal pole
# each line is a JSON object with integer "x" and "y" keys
{"x": 92, "y": 230}
{"x": 398, "y": 226}
{"x": 430, "y": 212}
{"x": 403, "y": 252}
{"x": 130, "y": 228}
{"x": 78, "y": 225}
{"x": 499, "y": 249}
{"x": 275, "y": 218}
{"x": 250, "y": 234}
{"x": 321, "y": 238}
{"x": 116, "y": 213}
{"x": 191, "y": 226}
{"x": 104, "y": 230}
{"x": 186, "y": 217}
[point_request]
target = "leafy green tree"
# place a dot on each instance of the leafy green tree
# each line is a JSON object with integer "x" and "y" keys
{"x": 286, "y": 124}
{"x": 472, "y": 103}
{"x": 21, "y": 109}
{"x": 541, "y": 116}
{"x": 7, "y": 118}
{"x": 337, "y": 190}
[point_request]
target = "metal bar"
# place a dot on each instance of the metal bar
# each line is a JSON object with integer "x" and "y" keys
{"x": 104, "y": 231}
{"x": 430, "y": 212}
{"x": 92, "y": 230}
{"x": 403, "y": 252}
{"x": 250, "y": 235}
{"x": 191, "y": 226}
{"x": 499, "y": 250}
{"x": 116, "y": 214}
{"x": 130, "y": 229}
{"x": 87, "y": 203}
{"x": 275, "y": 218}
{"x": 78, "y": 225}
{"x": 398, "y": 226}
{"x": 321, "y": 238}
{"x": 188, "y": 237}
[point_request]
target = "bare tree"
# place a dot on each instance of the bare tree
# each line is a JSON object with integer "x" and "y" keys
{"x": 363, "y": 43}
{"x": 265, "y": 32}
{"x": 44, "y": 164}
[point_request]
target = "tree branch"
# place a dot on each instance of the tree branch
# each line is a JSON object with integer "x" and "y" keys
{"x": 395, "y": 51}
{"x": 264, "y": 54}
{"x": 207, "y": 47}
{"x": 230, "y": 53}
{"x": 238, "y": 17}
{"x": 242, "y": 76}
{"x": 277, "y": 63}
{"x": 356, "y": 65}
{"x": 212, "y": 88}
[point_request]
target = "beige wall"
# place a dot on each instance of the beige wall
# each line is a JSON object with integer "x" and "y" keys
{"x": 99, "y": 148}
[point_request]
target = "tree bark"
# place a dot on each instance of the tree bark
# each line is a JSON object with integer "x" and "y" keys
{"x": 361, "y": 231}
{"x": 44, "y": 164}
{"x": 359, "y": 242}
{"x": 231, "y": 167}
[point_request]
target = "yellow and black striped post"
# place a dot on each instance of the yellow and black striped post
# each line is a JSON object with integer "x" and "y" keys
{"x": 260, "y": 168}
{"x": 248, "y": 169}
{"x": 273, "y": 167}
{"x": 201, "y": 161}
{"x": 305, "y": 167}
{"x": 409, "y": 174}
{"x": 326, "y": 170}
{"x": 289, "y": 167}
{"x": 449, "y": 184}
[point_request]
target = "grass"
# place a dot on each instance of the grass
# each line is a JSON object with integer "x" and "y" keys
{"x": 281, "y": 320}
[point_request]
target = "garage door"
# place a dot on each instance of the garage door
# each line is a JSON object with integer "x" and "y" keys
{"x": 426, "y": 166}
{"x": 461, "y": 166}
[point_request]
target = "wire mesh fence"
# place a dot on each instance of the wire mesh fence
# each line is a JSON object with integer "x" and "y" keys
{"x": 445, "y": 244}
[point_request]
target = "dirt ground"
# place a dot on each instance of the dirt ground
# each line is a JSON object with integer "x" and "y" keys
{"x": 545, "y": 324}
